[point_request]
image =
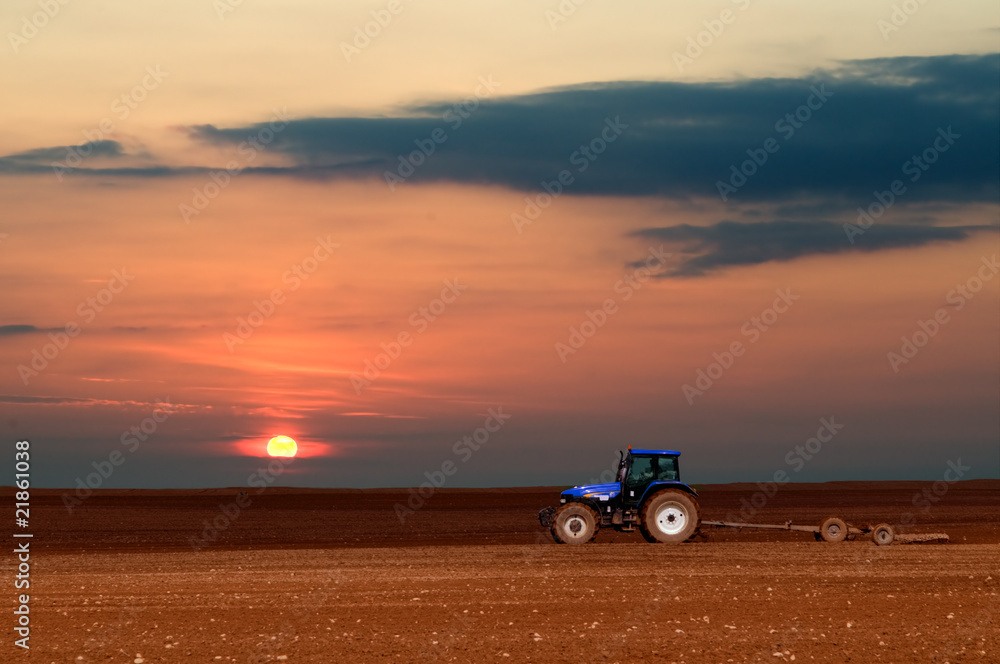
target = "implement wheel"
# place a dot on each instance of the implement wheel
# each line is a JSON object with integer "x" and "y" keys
{"x": 833, "y": 529}
{"x": 574, "y": 523}
{"x": 883, "y": 534}
{"x": 670, "y": 517}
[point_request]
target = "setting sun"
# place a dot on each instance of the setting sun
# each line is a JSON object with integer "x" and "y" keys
{"x": 281, "y": 446}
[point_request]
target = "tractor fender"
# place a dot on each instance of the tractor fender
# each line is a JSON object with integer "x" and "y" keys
{"x": 600, "y": 508}
{"x": 597, "y": 505}
{"x": 655, "y": 487}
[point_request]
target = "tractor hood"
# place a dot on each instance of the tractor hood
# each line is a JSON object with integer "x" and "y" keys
{"x": 594, "y": 491}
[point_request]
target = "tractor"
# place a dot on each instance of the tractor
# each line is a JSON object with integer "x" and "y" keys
{"x": 648, "y": 493}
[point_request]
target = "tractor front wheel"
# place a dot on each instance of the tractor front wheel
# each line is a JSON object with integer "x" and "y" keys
{"x": 670, "y": 517}
{"x": 574, "y": 523}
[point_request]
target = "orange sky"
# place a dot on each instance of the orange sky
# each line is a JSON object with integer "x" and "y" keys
{"x": 496, "y": 344}
{"x": 163, "y": 335}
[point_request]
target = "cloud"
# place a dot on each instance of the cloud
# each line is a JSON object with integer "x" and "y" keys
{"x": 679, "y": 139}
{"x": 682, "y": 138}
{"x": 709, "y": 249}
{"x": 11, "y": 330}
{"x": 12, "y": 398}
{"x": 88, "y": 401}
{"x": 41, "y": 159}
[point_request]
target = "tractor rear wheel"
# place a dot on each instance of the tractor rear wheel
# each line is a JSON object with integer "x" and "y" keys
{"x": 574, "y": 523}
{"x": 670, "y": 517}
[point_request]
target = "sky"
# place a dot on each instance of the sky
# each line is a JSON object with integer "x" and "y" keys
{"x": 503, "y": 238}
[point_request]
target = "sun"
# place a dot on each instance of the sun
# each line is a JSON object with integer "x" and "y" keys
{"x": 282, "y": 446}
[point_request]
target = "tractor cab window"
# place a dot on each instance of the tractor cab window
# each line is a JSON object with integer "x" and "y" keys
{"x": 646, "y": 469}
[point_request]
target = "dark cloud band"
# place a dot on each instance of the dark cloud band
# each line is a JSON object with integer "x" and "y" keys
{"x": 866, "y": 121}
{"x": 707, "y": 249}
{"x": 839, "y": 134}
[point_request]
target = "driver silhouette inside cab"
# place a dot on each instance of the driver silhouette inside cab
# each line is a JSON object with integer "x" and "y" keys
{"x": 654, "y": 470}
{"x": 644, "y": 471}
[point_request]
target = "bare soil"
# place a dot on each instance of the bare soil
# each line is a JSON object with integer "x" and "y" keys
{"x": 334, "y": 576}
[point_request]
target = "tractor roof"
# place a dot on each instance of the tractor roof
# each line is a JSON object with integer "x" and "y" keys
{"x": 671, "y": 452}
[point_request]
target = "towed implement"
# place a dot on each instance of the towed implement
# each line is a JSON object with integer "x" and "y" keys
{"x": 830, "y": 529}
{"x": 833, "y": 529}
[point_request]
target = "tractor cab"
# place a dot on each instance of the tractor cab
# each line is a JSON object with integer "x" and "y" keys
{"x": 642, "y": 468}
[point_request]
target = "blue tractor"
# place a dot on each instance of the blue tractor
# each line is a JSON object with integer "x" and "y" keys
{"x": 648, "y": 493}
